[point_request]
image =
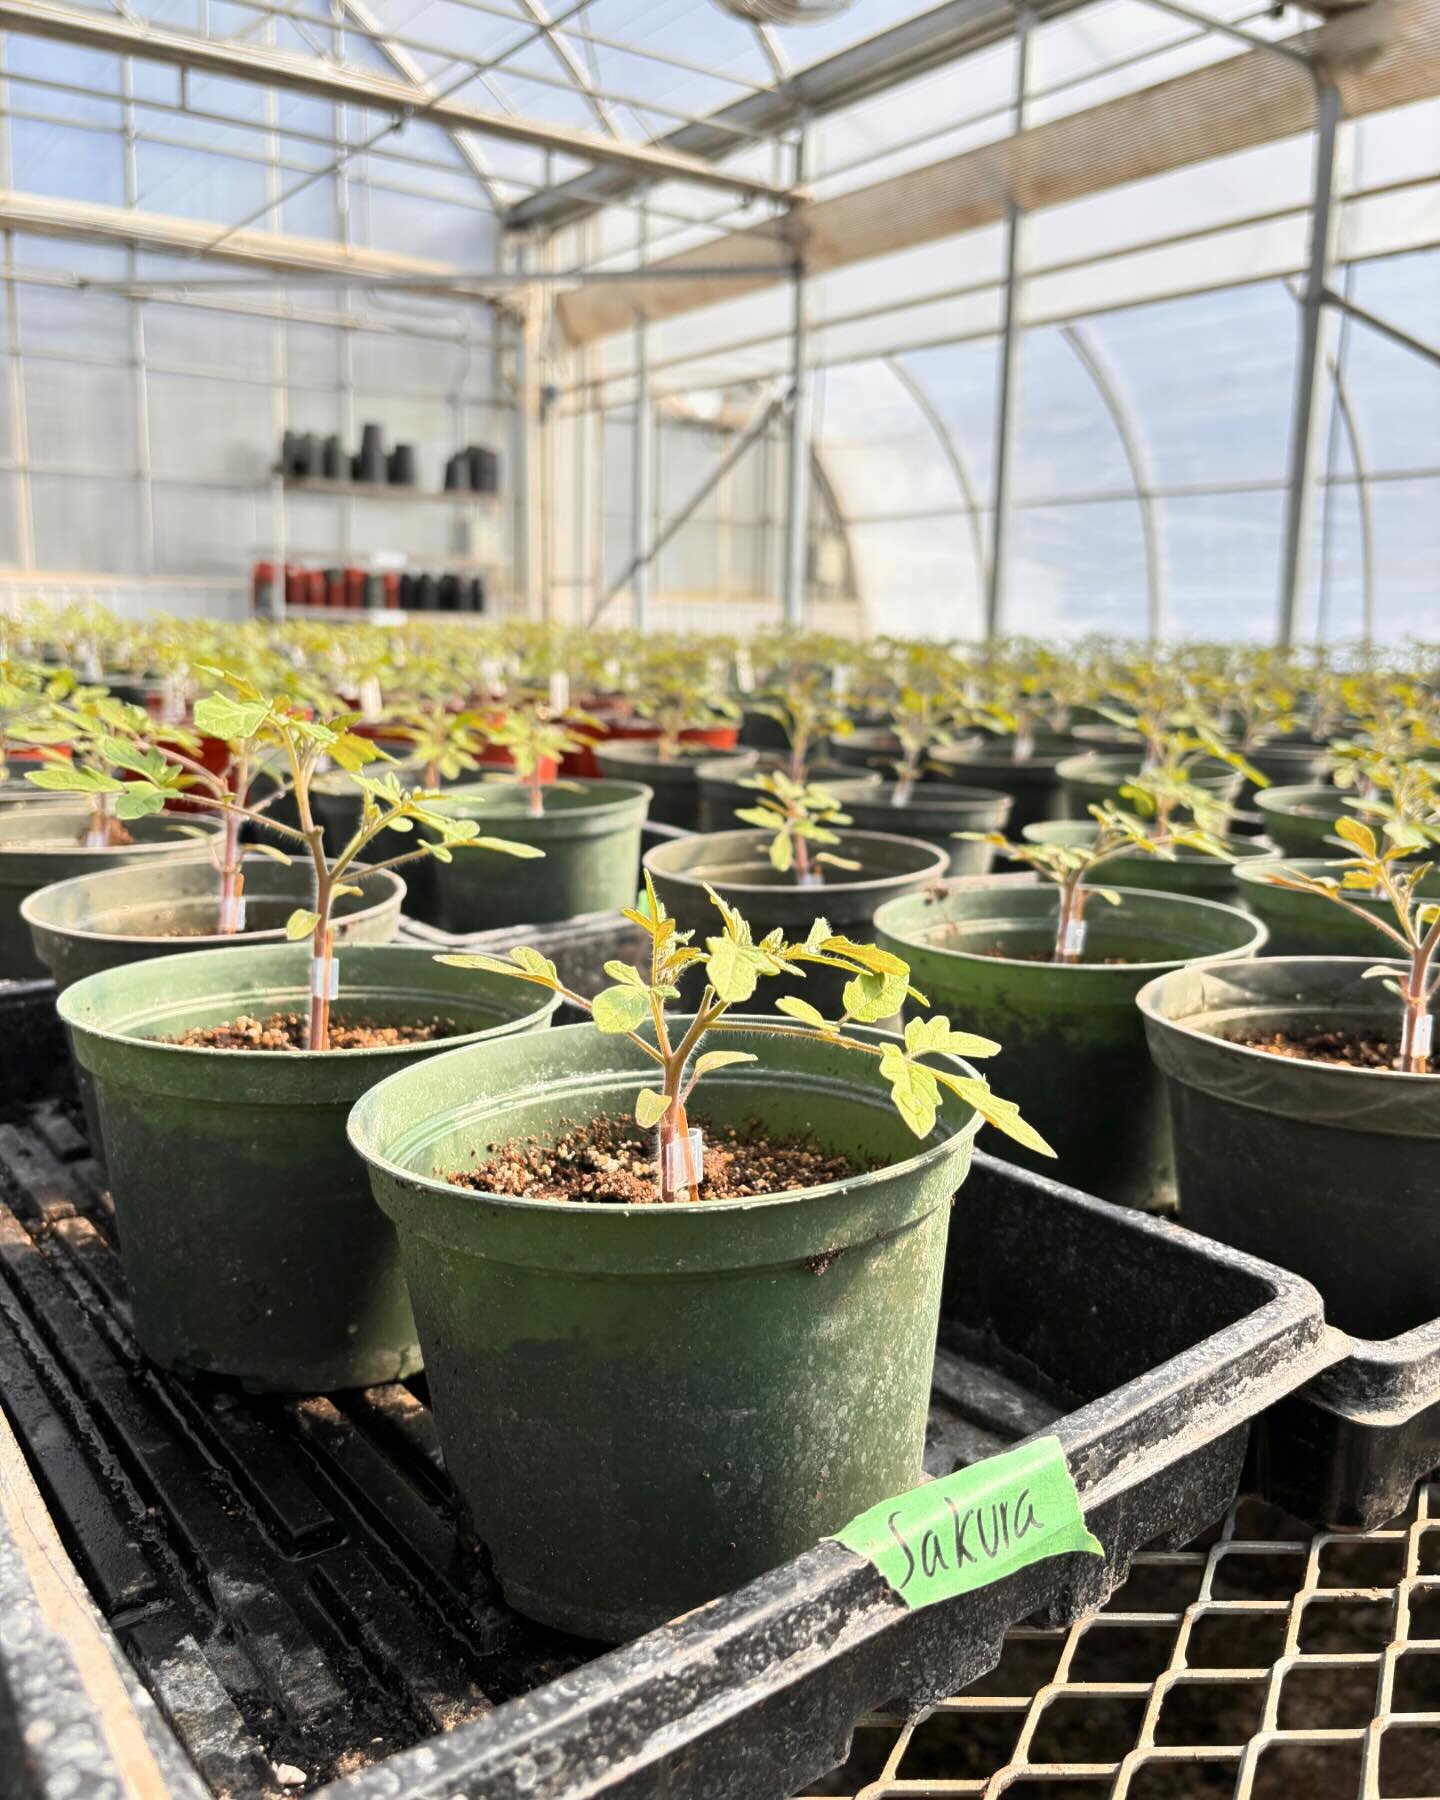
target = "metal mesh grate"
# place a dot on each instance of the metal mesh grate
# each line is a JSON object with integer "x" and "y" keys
{"x": 1264, "y": 1661}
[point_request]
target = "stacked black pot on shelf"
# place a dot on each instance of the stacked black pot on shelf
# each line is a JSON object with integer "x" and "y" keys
{"x": 308, "y": 454}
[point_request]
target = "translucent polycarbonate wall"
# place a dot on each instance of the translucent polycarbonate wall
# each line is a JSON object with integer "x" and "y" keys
{"x": 1155, "y": 351}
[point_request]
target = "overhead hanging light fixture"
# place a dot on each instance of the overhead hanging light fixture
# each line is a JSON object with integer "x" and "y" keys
{"x": 785, "y": 12}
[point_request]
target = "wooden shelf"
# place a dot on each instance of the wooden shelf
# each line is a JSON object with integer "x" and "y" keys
{"x": 381, "y": 490}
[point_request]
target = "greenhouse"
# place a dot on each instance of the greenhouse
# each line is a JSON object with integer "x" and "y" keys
{"x": 720, "y": 900}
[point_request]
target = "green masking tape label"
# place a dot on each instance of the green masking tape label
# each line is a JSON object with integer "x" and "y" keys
{"x": 975, "y": 1526}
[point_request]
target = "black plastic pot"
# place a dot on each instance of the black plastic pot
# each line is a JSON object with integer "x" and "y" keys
{"x": 1187, "y": 872}
{"x": 1091, "y": 780}
{"x": 718, "y": 781}
{"x": 372, "y": 454}
{"x": 1300, "y": 821}
{"x": 1304, "y": 924}
{"x": 1328, "y": 1170}
{"x": 1074, "y": 1055}
{"x": 877, "y": 747}
{"x": 590, "y": 841}
{"x": 934, "y": 813}
{"x": 674, "y": 781}
{"x": 736, "y": 865}
{"x": 1293, "y": 761}
{"x": 1032, "y": 783}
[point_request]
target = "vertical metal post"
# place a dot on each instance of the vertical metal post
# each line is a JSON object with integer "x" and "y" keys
{"x": 1305, "y": 418}
{"x": 537, "y": 601}
{"x": 797, "y": 498}
{"x": 1009, "y": 354}
{"x": 642, "y": 446}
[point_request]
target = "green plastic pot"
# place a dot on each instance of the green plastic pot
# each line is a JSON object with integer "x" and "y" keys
{"x": 935, "y": 811}
{"x": 250, "y": 1243}
{"x": 1304, "y": 924}
{"x": 1300, "y": 821}
{"x": 643, "y": 1407}
{"x": 121, "y": 916}
{"x": 16, "y": 791}
{"x": 1326, "y": 1170}
{"x": 674, "y": 781}
{"x": 1075, "y": 1059}
{"x": 722, "y": 796}
{"x": 1188, "y": 872}
{"x": 1288, "y": 762}
{"x": 40, "y": 845}
{"x": 1032, "y": 783}
{"x": 737, "y": 866}
{"x": 95, "y": 922}
{"x": 1092, "y": 780}
{"x": 591, "y": 841}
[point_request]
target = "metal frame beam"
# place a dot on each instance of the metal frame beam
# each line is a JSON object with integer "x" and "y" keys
{"x": 1305, "y": 421}
{"x": 120, "y": 36}
{"x": 1007, "y": 376}
{"x": 1396, "y": 336}
{"x": 906, "y": 51}
{"x": 797, "y": 492}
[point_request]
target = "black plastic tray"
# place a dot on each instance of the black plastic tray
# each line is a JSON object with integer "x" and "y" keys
{"x": 292, "y": 1586}
{"x": 1348, "y": 1448}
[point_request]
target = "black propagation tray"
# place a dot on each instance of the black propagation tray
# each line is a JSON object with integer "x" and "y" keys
{"x": 300, "y": 1610}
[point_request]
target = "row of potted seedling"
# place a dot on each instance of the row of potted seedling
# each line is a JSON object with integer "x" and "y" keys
{"x": 704, "y": 1371}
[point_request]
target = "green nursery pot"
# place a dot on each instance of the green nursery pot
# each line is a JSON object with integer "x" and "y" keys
{"x": 722, "y": 796}
{"x": 40, "y": 845}
{"x": 1187, "y": 872}
{"x": 1300, "y": 821}
{"x": 1031, "y": 783}
{"x": 737, "y": 866}
{"x": 1326, "y": 1170}
{"x": 645, "y": 1406}
{"x": 674, "y": 781}
{"x": 1075, "y": 1059}
{"x": 250, "y": 1243}
{"x": 1091, "y": 780}
{"x": 591, "y": 841}
{"x": 935, "y": 811}
{"x": 95, "y": 922}
{"x": 1304, "y": 924}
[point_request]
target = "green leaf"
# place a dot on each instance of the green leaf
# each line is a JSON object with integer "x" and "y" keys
{"x": 924, "y": 1035}
{"x": 139, "y": 802}
{"x": 913, "y": 1088}
{"x": 651, "y": 1107}
{"x": 616, "y": 1010}
{"x": 734, "y": 968}
{"x": 802, "y": 1010}
{"x": 1351, "y": 831}
{"x": 874, "y": 995}
{"x": 67, "y": 780}
{"x": 504, "y": 845}
{"x": 782, "y": 853}
{"x": 270, "y": 851}
{"x": 626, "y": 973}
{"x": 492, "y": 965}
{"x": 533, "y": 963}
{"x": 721, "y": 1059}
{"x": 232, "y": 720}
{"x": 301, "y": 924}
{"x": 1004, "y": 1115}
{"x": 346, "y": 887}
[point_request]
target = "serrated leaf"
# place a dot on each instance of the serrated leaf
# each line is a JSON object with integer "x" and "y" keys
{"x": 651, "y": 1107}
{"x": 301, "y": 924}
{"x": 218, "y": 716}
{"x": 924, "y": 1035}
{"x": 67, "y": 780}
{"x": 873, "y": 995}
{"x": 734, "y": 969}
{"x": 1004, "y": 1115}
{"x": 819, "y": 931}
{"x": 617, "y": 1010}
{"x": 721, "y": 1059}
{"x": 139, "y": 802}
{"x": 913, "y": 1089}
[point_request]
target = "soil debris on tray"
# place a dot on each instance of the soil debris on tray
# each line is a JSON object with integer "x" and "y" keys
{"x": 1346, "y": 1049}
{"x": 290, "y": 1030}
{"x": 612, "y": 1162}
